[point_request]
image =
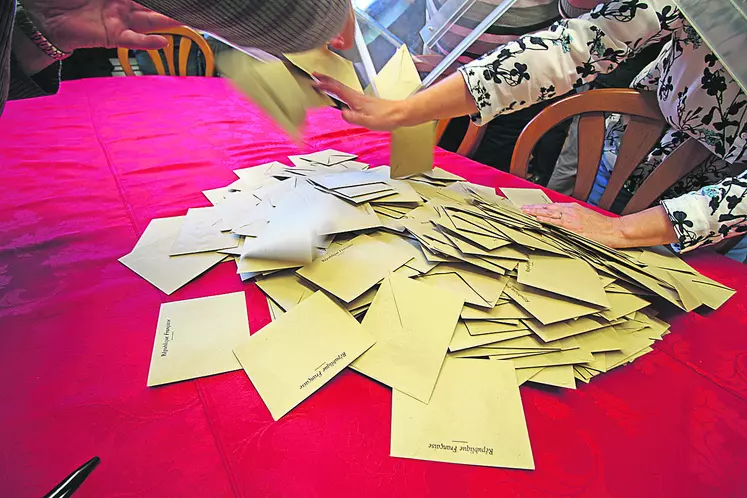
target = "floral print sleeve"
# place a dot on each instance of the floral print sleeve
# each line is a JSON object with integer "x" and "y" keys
{"x": 710, "y": 214}
{"x": 569, "y": 54}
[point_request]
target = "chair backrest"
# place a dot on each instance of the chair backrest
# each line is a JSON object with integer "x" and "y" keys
{"x": 470, "y": 141}
{"x": 188, "y": 36}
{"x": 643, "y": 132}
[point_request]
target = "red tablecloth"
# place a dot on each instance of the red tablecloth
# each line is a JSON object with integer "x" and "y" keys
{"x": 83, "y": 172}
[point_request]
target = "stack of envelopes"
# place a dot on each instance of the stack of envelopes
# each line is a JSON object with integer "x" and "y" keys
{"x": 423, "y": 285}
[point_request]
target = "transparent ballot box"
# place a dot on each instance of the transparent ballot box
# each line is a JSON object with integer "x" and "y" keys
{"x": 437, "y": 33}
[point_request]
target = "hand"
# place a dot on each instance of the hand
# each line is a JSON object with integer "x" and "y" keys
{"x": 364, "y": 110}
{"x": 72, "y": 24}
{"x": 344, "y": 40}
{"x": 580, "y": 220}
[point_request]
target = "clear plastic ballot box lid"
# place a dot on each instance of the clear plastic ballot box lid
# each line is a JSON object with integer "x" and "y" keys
{"x": 436, "y": 32}
{"x": 723, "y": 26}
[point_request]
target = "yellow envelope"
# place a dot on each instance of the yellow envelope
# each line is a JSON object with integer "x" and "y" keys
{"x": 151, "y": 257}
{"x": 412, "y": 324}
{"x": 623, "y": 304}
{"x": 525, "y": 196}
{"x": 524, "y": 374}
{"x": 418, "y": 261}
{"x": 412, "y": 147}
{"x": 453, "y": 282}
{"x": 327, "y": 157}
{"x": 285, "y": 288}
{"x": 487, "y": 285}
{"x": 558, "y": 376}
{"x": 355, "y": 267}
{"x": 272, "y": 86}
{"x": 561, "y": 330}
{"x": 194, "y": 338}
{"x": 201, "y": 232}
{"x": 292, "y": 357}
{"x": 481, "y": 327}
{"x": 469, "y": 422}
{"x": 462, "y": 339}
{"x": 568, "y": 357}
{"x": 502, "y": 311}
{"x": 568, "y": 277}
{"x": 324, "y": 61}
{"x": 412, "y": 150}
{"x": 547, "y": 307}
{"x": 261, "y": 174}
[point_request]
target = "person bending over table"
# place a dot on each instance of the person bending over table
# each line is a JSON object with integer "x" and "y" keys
{"x": 35, "y": 35}
{"x": 696, "y": 94}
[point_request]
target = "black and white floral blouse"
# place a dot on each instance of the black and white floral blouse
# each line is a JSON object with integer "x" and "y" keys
{"x": 697, "y": 96}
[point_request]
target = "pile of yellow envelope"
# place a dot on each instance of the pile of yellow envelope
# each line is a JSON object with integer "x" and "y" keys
{"x": 439, "y": 288}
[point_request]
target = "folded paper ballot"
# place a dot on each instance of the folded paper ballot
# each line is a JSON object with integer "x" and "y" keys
{"x": 479, "y": 423}
{"x": 413, "y": 324}
{"x": 151, "y": 259}
{"x": 299, "y": 352}
{"x": 412, "y": 147}
{"x": 425, "y": 284}
{"x": 184, "y": 349}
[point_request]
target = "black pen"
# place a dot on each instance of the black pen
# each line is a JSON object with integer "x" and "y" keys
{"x": 72, "y": 482}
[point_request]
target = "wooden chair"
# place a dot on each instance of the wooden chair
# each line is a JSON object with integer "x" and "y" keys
{"x": 470, "y": 141}
{"x": 643, "y": 132}
{"x": 188, "y": 36}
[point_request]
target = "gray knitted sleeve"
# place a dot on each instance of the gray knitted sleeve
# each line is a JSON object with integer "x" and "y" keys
{"x": 276, "y": 26}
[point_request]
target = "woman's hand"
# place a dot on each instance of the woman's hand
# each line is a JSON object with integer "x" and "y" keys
{"x": 647, "y": 228}
{"x": 72, "y": 24}
{"x": 364, "y": 110}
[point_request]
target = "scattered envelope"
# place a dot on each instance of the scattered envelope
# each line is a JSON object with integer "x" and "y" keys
{"x": 285, "y": 288}
{"x": 412, "y": 150}
{"x": 568, "y": 277}
{"x": 476, "y": 423}
{"x": 412, "y": 147}
{"x": 329, "y": 157}
{"x": 547, "y": 307}
{"x": 151, "y": 257}
{"x": 355, "y": 267}
{"x": 284, "y": 95}
{"x": 558, "y": 376}
{"x": 462, "y": 339}
{"x": 324, "y": 61}
{"x": 303, "y": 349}
{"x": 525, "y": 196}
{"x": 194, "y": 338}
{"x": 201, "y": 232}
{"x": 412, "y": 324}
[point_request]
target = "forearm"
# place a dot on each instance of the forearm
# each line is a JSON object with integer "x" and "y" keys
{"x": 651, "y": 227}
{"x": 540, "y": 66}
{"x": 447, "y": 99}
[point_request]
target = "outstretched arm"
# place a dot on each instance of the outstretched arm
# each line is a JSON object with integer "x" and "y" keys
{"x": 531, "y": 69}
{"x": 651, "y": 227}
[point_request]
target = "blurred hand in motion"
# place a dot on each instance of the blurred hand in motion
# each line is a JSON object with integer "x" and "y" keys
{"x": 364, "y": 110}
{"x": 344, "y": 40}
{"x": 73, "y": 24}
{"x": 580, "y": 220}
